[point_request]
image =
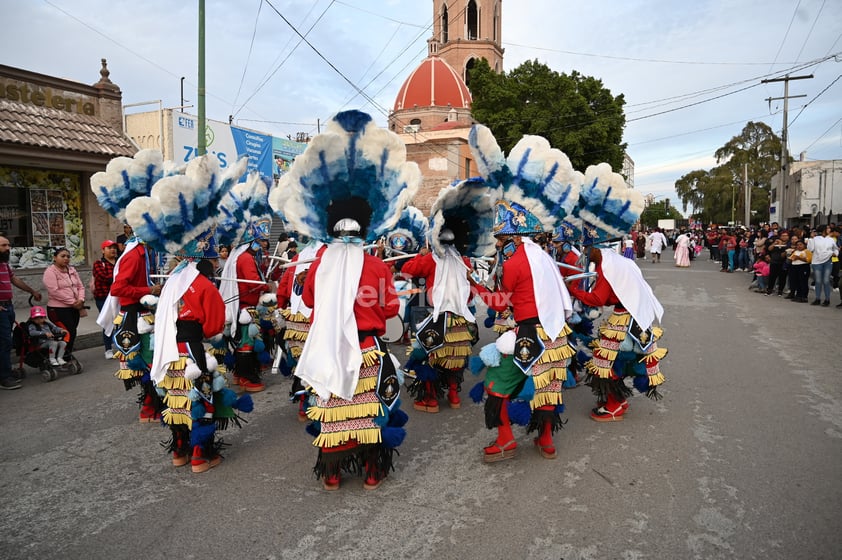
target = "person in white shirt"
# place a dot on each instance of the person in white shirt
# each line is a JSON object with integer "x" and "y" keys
{"x": 823, "y": 247}
{"x": 657, "y": 243}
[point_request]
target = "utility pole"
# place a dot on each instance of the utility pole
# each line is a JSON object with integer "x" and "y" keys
{"x": 747, "y": 187}
{"x": 784, "y": 151}
{"x": 202, "y": 147}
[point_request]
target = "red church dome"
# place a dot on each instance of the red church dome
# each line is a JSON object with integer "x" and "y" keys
{"x": 433, "y": 84}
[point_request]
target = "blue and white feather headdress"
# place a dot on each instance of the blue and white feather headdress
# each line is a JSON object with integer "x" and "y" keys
{"x": 607, "y": 207}
{"x": 410, "y": 232}
{"x": 467, "y": 209}
{"x": 352, "y": 170}
{"x": 245, "y": 206}
{"x": 182, "y": 209}
{"x": 126, "y": 178}
{"x": 535, "y": 187}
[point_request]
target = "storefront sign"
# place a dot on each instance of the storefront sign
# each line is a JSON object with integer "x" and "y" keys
{"x": 227, "y": 143}
{"x": 30, "y": 94}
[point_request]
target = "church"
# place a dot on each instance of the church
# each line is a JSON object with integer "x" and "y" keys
{"x": 432, "y": 110}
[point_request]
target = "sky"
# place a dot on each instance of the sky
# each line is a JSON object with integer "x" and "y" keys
{"x": 690, "y": 72}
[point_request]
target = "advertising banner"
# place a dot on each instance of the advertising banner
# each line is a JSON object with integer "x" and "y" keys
{"x": 226, "y": 142}
{"x": 284, "y": 151}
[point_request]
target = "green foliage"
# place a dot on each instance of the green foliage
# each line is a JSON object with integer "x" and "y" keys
{"x": 660, "y": 210}
{"x": 575, "y": 113}
{"x": 711, "y": 193}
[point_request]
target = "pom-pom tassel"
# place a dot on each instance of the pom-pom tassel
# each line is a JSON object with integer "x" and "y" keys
{"x": 519, "y": 412}
{"x": 392, "y": 437}
{"x": 477, "y": 392}
{"x": 244, "y": 404}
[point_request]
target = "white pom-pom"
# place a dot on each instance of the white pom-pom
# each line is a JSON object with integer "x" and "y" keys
{"x": 211, "y": 362}
{"x": 245, "y": 317}
{"x": 506, "y": 343}
{"x": 144, "y": 327}
{"x": 192, "y": 371}
{"x": 149, "y": 301}
{"x": 269, "y": 299}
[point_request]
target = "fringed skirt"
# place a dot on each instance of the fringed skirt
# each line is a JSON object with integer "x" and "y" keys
{"x": 295, "y": 335}
{"x": 132, "y": 344}
{"x": 616, "y": 356}
{"x": 458, "y": 344}
{"x": 360, "y": 431}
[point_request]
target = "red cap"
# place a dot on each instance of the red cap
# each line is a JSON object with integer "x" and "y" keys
{"x": 107, "y": 243}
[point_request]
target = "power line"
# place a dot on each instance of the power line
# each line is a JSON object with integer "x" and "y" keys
{"x": 823, "y": 134}
{"x": 813, "y": 99}
{"x": 248, "y": 57}
{"x": 788, "y": 27}
{"x": 809, "y": 33}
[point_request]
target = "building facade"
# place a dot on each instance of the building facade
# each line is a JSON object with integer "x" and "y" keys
{"x": 55, "y": 134}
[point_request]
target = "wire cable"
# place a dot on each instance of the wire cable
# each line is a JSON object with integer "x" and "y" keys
{"x": 248, "y": 57}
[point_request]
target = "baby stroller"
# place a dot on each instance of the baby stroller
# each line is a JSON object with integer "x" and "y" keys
{"x": 31, "y": 354}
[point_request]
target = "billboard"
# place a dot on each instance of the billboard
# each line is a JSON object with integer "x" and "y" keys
{"x": 228, "y": 143}
{"x": 283, "y": 152}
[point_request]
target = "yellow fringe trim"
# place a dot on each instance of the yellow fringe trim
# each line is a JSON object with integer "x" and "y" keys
{"x": 558, "y": 354}
{"x": 118, "y": 320}
{"x": 294, "y": 317}
{"x": 177, "y": 401}
{"x": 127, "y": 374}
{"x": 341, "y": 413}
{"x": 601, "y": 372}
{"x": 545, "y": 398}
{"x": 658, "y": 355}
{"x": 543, "y": 379}
{"x": 179, "y": 418}
{"x": 125, "y": 357}
{"x": 657, "y": 379}
{"x": 610, "y": 355}
{"x": 372, "y": 357}
{"x": 448, "y": 363}
{"x": 367, "y": 436}
{"x": 148, "y": 317}
{"x": 613, "y": 334}
{"x": 657, "y": 332}
{"x": 619, "y": 319}
{"x": 172, "y": 383}
{"x": 292, "y": 334}
{"x": 565, "y": 330}
{"x": 366, "y": 384}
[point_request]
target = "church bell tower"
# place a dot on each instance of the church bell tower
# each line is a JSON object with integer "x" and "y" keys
{"x": 465, "y": 31}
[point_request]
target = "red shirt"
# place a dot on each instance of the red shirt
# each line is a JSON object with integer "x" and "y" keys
{"x": 517, "y": 285}
{"x": 247, "y": 270}
{"x": 132, "y": 282}
{"x": 424, "y": 266}
{"x": 601, "y": 294}
{"x": 103, "y": 278}
{"x": 203, "y": 304}
{"x": 6, "y": 275}
{"x": 376, "y": 299}
{"x": 287, "y": 280}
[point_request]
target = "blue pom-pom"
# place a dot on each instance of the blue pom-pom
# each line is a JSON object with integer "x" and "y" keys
{"x": 382, "y": 419}
{"x": 520, "y": 412}
{"x": 201, "y": 434}
{"x": 218, "y": 383}
{"x": 559, "y": 409}
{"x": 227, "y": 397}
{"x": 230, "y": 360}
{"x": 259, "y": 346}
{"x": 314, "y": 429}
{"x": 264, "y": 357}
{"x": 285, "y": 368}
{"x": 476, "y": 365}
{"x": 488, "y": 322}
{"x": 398, "y": 418}
{"x": 641, "y": 383}
{"x": 392, "y": 437}
{"x": 197, "y": 410}
{"x": 569, "y": 381}
{"x": 137, "y": 363}
{"x": 490, "y": 355}
{"x": 266, "y": 325}
{"x": 244, "y": 404}
{"x": 477, "y": 392}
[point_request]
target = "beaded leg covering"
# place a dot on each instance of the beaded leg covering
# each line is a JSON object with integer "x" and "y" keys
{"x": 615, "y": 357}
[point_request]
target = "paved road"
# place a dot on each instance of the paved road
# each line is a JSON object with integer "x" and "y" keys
{"x": 742, "y": 459}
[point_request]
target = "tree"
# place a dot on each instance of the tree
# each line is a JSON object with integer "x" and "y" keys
{"x": 711, "y": 192}
{"x": 575, "y": 113}
{"x": 660, "y": 210}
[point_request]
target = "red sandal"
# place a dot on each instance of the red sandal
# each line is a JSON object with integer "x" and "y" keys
{"x": 494, "y": 452}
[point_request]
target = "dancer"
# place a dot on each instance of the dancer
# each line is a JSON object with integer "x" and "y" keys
{"x": 349, "y": 197}
{"x": 531, "y": 284}
{"x": 124, "y": 316}
{"x": 190, "y": 309}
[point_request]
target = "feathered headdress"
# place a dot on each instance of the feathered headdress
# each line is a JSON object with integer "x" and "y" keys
{"x": 410, "y": 232}
{"x": 244, "y": 210}
{"x": 352, "y": 170}
{"x": 467, "y": 210}
{"x": 181, "y": 209}
{"x": 126, "y": 178}
{"x": 535, "y": 186}
{"x": 607, "y": 206}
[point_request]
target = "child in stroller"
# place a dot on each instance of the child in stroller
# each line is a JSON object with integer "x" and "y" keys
{"x": 44, "y": 335}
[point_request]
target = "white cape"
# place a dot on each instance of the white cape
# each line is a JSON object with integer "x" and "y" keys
{"x": 451, "y": 289}
{"x": 331, "y": 359}
{"x": 306, "y": 254}
{"x": 631, "y": 288}
{"x": 111, "y": 307}
{"x": 551, "y": 296}
{"x": 228, "y": 288}
{"x": 166, "y": 315}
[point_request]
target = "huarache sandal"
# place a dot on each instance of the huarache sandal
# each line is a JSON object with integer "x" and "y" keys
{"x": 494, "y": 452}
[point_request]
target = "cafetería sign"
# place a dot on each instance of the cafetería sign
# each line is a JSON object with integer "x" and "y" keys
{"x": 22, "y": 92}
